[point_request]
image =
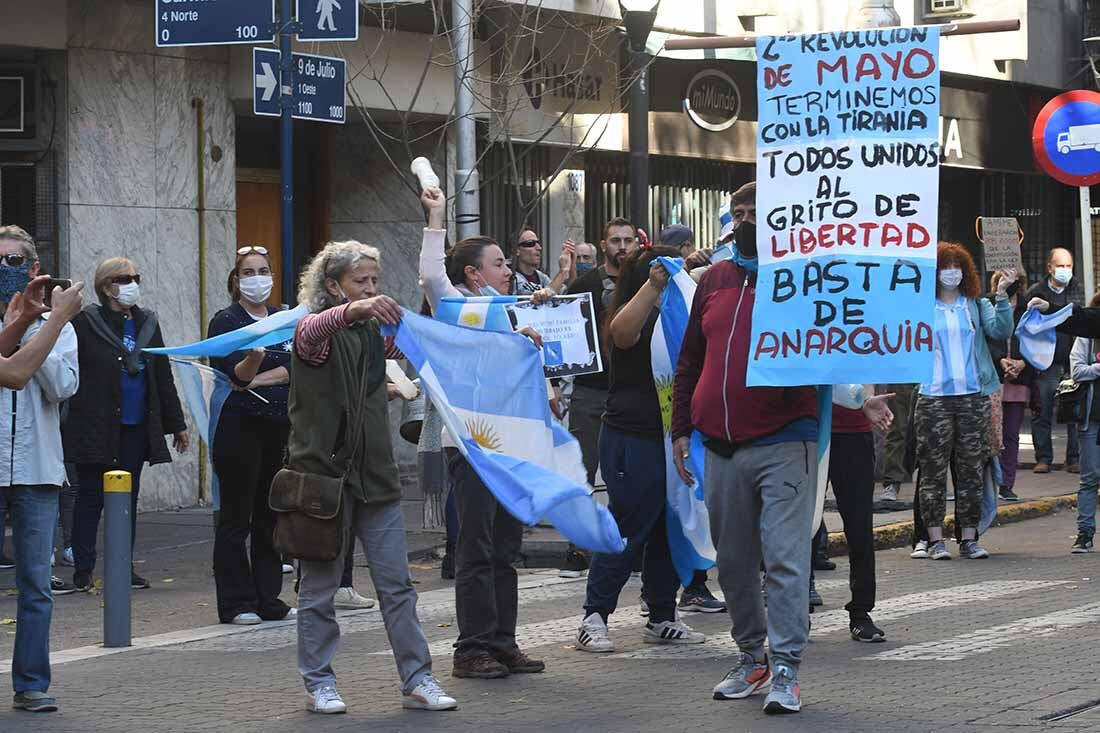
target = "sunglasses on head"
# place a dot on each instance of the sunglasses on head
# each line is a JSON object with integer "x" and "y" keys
{"x": 14, "y": 260}
{"x": 125, "y": 279}
{"x": 529, "y": 243}
{"x": 252, "y": 249}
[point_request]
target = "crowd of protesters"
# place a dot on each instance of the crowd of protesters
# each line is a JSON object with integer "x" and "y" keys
{"x": 315, "y": 410}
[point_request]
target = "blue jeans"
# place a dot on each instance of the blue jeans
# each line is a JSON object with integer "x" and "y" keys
{"x": 634, "y": 469}
{"x": 1090, "y": 479}
{"x": 33, "y": 511}
{"x": 1047, "y": 384}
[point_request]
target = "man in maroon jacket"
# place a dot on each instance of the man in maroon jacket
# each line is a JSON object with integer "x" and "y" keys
{"x": 760, "y": 471}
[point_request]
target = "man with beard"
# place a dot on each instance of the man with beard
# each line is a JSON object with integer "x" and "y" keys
{"x": 590, "y": 390}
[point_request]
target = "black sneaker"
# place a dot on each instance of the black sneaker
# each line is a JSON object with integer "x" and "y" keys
{"x": 60, "y": 587}
{"x": 82, "y": 581}
{"x": 822, "y": 561}
{"x": 1082, "y": 544}
{"x": 700, "y": 600}
{"x": 815, "y": 597}
{"x": 864, "y": 630}
{"x": 137, "y": 582}
{"x": 6, "y": 563}
{"x": 1008, "y": 494}
{"x": 575, "y": 565}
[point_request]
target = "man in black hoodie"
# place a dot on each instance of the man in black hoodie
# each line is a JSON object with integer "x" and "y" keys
{"x": 1059, "y": 288}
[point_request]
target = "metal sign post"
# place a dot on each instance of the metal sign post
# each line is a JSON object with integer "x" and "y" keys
{"x": 286, "y": 147}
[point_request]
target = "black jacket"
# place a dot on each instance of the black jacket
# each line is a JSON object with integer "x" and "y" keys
{"x": 94, "y": 424}
{"x": 1073, "y": 294}
{"x": 1010, "y": 348}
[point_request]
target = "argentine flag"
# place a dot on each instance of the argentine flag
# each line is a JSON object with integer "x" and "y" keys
{"x": 278, "y": 328}
{"x": 204, "y": 391}
{"x": 1037, "y": 336}
{"x": 485, "y": 312}
{"x": 686, "y": 518}
{"x": 490, "y": 391}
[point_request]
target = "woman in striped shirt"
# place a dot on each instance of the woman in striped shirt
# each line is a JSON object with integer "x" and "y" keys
{"x": 952, "y": 412}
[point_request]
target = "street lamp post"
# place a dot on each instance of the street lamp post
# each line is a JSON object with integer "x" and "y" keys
{"x": 638, "y": 18}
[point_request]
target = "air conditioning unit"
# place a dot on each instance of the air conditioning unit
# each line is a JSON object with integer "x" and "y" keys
{"x": 946, "y": 9}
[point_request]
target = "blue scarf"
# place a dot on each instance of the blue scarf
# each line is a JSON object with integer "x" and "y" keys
{"x": 13, "y": 280}
{"x": 749, "y": 263}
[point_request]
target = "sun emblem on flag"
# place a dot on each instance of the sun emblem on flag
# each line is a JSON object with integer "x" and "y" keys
{"x": 484, "y": 434}
{"x": 664, "y": 399}
{"x": 288, "y": 345}
{"x": 471, "y": 319}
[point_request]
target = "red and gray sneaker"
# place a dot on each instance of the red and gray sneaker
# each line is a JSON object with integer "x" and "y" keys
{"x": 786, "y": 696}
{"x": 748, "y": 677}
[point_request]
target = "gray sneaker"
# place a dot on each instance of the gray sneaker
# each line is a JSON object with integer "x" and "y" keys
{"x": 747, "y": 677}
{"x": 971, "y": 550}
{"x": 939, "y": 551}
{"x": 889, "y": 492}
{"x": 786, "y": 696}
{"x": 34, "y": 701}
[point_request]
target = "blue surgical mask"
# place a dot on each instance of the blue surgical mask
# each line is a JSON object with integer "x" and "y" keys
{"x": 584, "y": 267}
{"x": 1063, "y": 275}
{"x": 488, "y": 289}
{"x": 13, "y": 280}
{"x": 749, "y": 263}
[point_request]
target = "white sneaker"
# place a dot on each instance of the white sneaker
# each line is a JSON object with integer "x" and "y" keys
{"x": 938, "y": 551}
{"x": 920, "y": 552}
{"x": 428, "y": 695}
{"x": 291, "y": 614}
{"x": 671, "y": 632}
{"x": 67, "y": 557}
{"x": 349, "y": 598}
{"x": 325, "y": 700}
{"x": 246, "y": 619}
{"x": 592, "y": 636}
{"x": 287, "y": 570}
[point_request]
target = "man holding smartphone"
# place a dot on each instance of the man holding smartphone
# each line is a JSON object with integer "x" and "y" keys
{"x": 32, "y": 468}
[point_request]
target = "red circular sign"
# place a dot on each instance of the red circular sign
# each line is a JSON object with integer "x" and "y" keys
{"x": 1069, "y": 152}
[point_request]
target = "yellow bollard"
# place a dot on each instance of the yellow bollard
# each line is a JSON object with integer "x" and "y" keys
{"x": 117, "y": 487}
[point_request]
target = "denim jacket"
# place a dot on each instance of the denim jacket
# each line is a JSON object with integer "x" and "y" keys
{"x": 991, "y": 321}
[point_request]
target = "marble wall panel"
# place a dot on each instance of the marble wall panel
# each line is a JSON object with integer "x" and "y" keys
{"x": 177, "y": 295}
{"x": 221, "y": 247}
{"x": 176, "y": 175}
{"x": 210, "y": 82}
{"x": 99, "y": 232}
{"x": 127, "y": 25}
{"x": 112, "y": 158}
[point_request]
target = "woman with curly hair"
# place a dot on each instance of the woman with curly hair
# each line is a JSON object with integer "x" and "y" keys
{"x": 952, "y": 412}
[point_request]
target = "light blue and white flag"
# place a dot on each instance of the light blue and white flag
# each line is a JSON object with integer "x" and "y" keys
{"x": 490, "y": 391}
{"x": 1037, "y": 336}
{"x": 686, "y": 518}
{"x": 725, "y": 252}
{"x": 278, "y": 328}
{"x": 204, "y": 392}
{"x": 485, "y": 312}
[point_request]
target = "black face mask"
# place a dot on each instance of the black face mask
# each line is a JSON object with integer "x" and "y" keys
{"x": 744, "y": 234}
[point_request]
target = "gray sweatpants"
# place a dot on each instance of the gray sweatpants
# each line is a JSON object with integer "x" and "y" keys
{"x": 381, "y": 530}
{"x": 761, "y": 506}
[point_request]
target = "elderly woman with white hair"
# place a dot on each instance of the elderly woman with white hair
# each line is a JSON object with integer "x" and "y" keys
{"x": 339, "y": 356}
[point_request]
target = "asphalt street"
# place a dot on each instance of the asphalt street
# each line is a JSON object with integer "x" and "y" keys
{"x": 1002, "y": 644}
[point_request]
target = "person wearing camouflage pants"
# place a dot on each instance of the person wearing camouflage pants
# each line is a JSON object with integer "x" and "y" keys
{"x": 945, "y": 423}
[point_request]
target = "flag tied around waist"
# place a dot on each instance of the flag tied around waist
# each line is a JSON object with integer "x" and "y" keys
{"x": 490, "y": 391}
{"x": 1037, "y": 336}
{"x": 686, "y": 520}
{"x": 278, "y": 328}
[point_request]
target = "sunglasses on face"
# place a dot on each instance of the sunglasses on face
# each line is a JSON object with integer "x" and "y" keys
{"x": 252, "y": 249}
{"x": 125, "y": 279}
{"x": 14, "y": 260}
{"x": 529, "y": 243}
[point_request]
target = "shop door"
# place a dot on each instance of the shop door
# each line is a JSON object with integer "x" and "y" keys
{"x": 258, "y": 223}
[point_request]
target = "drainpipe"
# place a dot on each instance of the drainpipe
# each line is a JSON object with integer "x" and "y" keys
{"x": 875, "y": 14}
{"x": 200, "y": 170}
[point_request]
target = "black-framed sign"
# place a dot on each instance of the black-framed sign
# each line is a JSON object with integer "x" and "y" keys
{"x": 567, "y": 324}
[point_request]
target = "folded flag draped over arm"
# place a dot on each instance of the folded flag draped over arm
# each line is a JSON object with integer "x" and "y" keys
{"x": 490, "y": 391}
{"x": 1037, "y": 337}
{"x": 278, "y": 328}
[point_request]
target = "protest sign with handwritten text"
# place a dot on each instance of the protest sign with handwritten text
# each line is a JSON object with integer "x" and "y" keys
{"x": 847, "y": 201}
{"x": 1001, "y": 241}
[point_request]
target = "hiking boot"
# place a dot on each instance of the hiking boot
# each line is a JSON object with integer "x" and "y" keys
{"x": 1041, "y": 468}
{"x": 518, "y": 662}
{"x": 747, "y": 677}
{"x": 1073, "y": 468}
{"x": 575, "y": 565}
{"x": 786, "y": 696}
{"x": 479, "y": 665}
{"x": 1082, "y": 544}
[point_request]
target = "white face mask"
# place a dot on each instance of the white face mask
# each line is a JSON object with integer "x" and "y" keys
{"x": 257, "y": 288}
{"x": 128, "y": 294}
{"x": 950, "y": 278}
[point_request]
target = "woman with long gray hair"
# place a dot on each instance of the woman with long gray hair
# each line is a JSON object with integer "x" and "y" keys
{"x": 333, "y": 433}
